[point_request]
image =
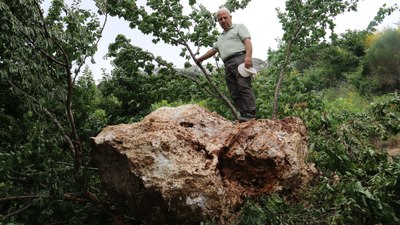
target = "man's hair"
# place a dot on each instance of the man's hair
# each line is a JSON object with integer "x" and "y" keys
{"x": 221, "y": 9}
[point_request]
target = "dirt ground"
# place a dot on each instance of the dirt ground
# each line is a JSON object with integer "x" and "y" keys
{"x": 391, "y": 145}
{"x": 394, "y": 151}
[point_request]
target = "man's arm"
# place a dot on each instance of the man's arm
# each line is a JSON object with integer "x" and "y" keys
{"x": 248, "y": 60}
{"x": 206, "y": 55}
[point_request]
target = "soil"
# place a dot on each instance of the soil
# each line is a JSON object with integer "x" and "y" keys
{"x": 394, "y": 151}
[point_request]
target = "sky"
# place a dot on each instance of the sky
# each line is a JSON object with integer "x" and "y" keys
{"x": 259, "y": 16}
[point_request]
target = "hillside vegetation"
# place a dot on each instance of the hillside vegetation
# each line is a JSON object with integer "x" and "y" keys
{"x": 345, "y": 88}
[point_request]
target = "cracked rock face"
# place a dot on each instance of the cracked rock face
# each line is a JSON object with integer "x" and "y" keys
{"x": 184, "y": 165}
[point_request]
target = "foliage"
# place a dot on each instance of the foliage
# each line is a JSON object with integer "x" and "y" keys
{"x": 380, "y": 16}
{"x": 382, "y": 60}
{"x": 88, "y": 115}
{"x": 345, "y": 98}
{"x": 335, "y": 64}
{"x": 357, "y": 184}
{"x": 329, "y": 68}
{"x": 354, "y": 42}
{"x": 372, "y": 38}
{"x": 274, "y": 209}
{"x": 49, "y": 110}
{"x": 388, "y": 113}
{"x": 305, "y": 24}
{"x": 43, "y": 153}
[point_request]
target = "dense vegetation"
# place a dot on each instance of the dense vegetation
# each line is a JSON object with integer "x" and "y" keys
{"x": 344, "y": 87}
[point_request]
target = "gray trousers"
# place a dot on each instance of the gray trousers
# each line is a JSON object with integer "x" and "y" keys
{"x": 240, "y": 88}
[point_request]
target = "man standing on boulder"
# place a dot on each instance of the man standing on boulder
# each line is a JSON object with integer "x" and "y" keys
{"x": 234, "y": 47}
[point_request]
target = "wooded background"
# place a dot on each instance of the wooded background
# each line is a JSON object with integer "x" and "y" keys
{"x": 343, "y": 86}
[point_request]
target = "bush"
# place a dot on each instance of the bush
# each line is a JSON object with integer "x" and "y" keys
{"x": 383, "y": 61}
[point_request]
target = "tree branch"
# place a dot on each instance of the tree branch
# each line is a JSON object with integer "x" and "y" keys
{"x": 205, "y": 91}
{"x": 75, "y": 143}
{"x": 216, "y": 90}
{"x": 83, "y": 167}
{"x": 300, "y": 26}
{"x": 16, "y": 212}
{"x": 282, "y": 72}
{"x": 29, "y": 39}
{"x": 22, "y": 197}
{"x": 183, "y": 42}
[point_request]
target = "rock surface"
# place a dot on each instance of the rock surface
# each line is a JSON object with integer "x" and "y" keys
{"x": 184, "y": 165}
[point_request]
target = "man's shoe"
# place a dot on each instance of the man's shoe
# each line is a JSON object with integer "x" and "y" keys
{"x": 244, "y": 119}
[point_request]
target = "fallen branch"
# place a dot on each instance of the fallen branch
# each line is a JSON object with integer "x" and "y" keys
{"x": 12, "y": 198}
{"x": 16, "y": 212}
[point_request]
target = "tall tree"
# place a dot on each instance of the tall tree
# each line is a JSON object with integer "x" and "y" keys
{"x": 41, "y": 56}
{"x": 305, "y": 23}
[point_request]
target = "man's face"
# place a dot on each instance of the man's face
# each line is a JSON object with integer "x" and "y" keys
{"x": 224, "y": 20}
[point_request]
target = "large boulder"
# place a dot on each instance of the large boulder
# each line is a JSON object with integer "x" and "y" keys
{"x": 184, "y": 165}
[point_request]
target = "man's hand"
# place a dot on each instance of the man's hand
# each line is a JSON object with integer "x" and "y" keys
{"x": 207, "y": 55}
{"x": 248, "y": 62}
{"x": 198, "y": 61}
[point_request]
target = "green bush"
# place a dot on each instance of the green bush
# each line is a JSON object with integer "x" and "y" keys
{"x": 383, "y": 61}
{"x": 345, "y": 98}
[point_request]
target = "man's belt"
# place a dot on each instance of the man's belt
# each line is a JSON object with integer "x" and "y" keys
{"x": 233, "y": 56}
